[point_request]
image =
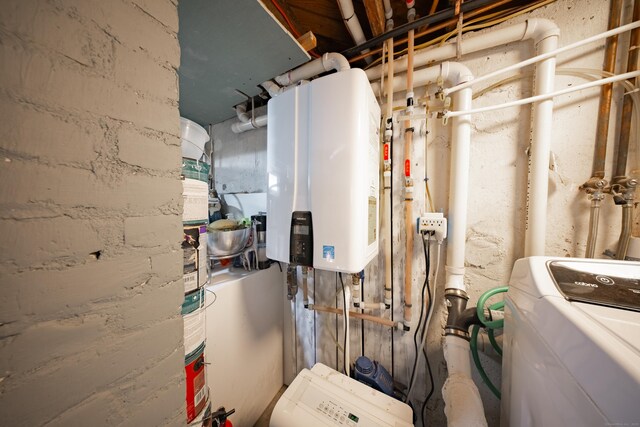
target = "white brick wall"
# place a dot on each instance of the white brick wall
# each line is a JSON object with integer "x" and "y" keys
{"x": 90, "y": 162}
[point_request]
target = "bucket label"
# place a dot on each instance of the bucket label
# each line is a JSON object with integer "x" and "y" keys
{"x": 194, "y": 169}
{"x": 328, "y": 253}
{"x": 195, "y": 261}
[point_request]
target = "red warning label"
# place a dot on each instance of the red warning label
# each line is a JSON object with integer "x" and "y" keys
{"x": 385, "y": 152}
{"x": 407, "y": 168}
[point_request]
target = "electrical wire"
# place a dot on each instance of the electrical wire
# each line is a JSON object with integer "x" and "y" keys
{"x": 467, "y": 27}
{"x": 293, "y": 29}
{"x": 345, "y": 328}
{"x": 425, "y": 333}
{"x": 425, "y": 286}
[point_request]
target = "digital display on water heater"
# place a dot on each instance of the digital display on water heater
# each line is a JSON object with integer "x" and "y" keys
{"x": 301, "y": 229}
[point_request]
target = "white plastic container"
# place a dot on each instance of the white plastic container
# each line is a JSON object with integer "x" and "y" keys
{"x": 194, "y": 137}
{"x": 323, "y": 158}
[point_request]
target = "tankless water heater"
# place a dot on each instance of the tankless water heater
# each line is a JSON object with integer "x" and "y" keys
{"x": 323, "y": 173}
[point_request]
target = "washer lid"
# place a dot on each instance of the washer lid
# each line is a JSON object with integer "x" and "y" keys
{"x": 612, "y": 284}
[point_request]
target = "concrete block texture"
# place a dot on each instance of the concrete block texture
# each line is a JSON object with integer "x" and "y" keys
{"x": 90, "y": 214}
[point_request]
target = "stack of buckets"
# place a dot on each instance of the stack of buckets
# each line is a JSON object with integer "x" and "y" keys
{"x": 195, "y": 218}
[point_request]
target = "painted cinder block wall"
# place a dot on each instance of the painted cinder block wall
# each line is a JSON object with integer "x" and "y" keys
{"x": 90, "y": 214}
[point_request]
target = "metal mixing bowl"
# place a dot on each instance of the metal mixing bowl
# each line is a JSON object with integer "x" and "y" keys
{"x": 225, "y": 243}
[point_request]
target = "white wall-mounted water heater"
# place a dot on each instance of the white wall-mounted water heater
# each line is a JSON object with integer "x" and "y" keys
{"x": 323, "y": 168}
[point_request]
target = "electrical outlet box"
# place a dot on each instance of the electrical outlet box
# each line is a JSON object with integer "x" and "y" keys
{"x": 433, "y": 221}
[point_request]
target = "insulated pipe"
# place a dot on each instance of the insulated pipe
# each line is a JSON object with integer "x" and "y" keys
{"x": 604, "y": 109}
{"x": 463, "y": 405}
{"x": 258, "y": 122}
{"x": 620, "y": 168}
{"x": 328, "y": 61}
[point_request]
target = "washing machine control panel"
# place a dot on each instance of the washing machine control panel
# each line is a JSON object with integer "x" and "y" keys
{"x": 609, "y": 284}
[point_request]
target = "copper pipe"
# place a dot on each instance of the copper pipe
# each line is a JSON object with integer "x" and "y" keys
{"x": 620, "y": 168}
{"x": 433, "y": 29}
{"x": 362, "y": 316}
{"x": 604, "y": 109}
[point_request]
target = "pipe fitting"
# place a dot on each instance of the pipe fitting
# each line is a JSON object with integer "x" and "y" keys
{"x": 272, "y": 88}
{"x": 241, "y": 112}
{"x": 539, "y": 29}
{"x": 460, "y": 317}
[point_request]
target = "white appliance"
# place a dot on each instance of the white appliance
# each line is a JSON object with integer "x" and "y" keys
{"x": 572, "y": 343}
{"x": 323, "y": 173}
{"x": 322, "y": 396}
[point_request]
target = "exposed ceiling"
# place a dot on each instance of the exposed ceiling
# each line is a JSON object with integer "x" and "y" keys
{"x": 228, "y": 46}
{"x": 236, "y": 45}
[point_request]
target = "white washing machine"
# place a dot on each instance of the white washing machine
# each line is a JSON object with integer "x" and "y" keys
{"x": 572, "y": 343}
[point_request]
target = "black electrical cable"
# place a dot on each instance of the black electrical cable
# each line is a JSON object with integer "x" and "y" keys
{"x": 393, "y": 363}
{"x": 345, "y": 307}
{"x": 426, "y": 356}
{"x": 362, "y": 302}
{"x": 425, "y": 285}
{"x": 435, "y": 18}
{"x": 315, "y": 328}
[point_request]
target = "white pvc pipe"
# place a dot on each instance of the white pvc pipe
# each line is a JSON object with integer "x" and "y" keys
{"x": 328, "y": 61}
{"x": 535, "y": 28}
{"x": 347, "y": 339}
{"x": 548, "y": 54}
{"x": 538, "y": 176}
{"x": 240, "y": 127}
{"x": 273, "y": 88}
{"x": 463, "y": 405}
{"x": 532, "y": 99}
{"x": 351, "y": 20}
{"x": 241, "y": 112}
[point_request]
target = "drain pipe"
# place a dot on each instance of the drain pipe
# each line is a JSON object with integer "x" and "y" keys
{"x": 353, "y": 24}
{"x": 463, "y": 405}
{"x": 328, "y": 62}
{"x": 544, "y": 33}
{"x": 595, "y": 185}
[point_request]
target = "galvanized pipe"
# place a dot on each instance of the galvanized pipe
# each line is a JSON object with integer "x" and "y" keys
{"x": 604, "y": 110}
{"x": 620, "y": 168}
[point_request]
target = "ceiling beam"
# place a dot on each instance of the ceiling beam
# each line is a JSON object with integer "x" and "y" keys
{"x": 375, "y": 14}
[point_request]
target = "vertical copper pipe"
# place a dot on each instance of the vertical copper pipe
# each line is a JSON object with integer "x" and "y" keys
{"x": 604, "y": 110}
{"x": 620, "y": 167}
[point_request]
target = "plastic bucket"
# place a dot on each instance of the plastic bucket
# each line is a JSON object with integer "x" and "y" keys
{"x": 193, "y": 315}
{"x": 195, "y": 261}
{"x": 195, "y": 196}
{"x": 193, "y": 137}
{"x": 197, "y": 390}
{"x": 195, "y": 169}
